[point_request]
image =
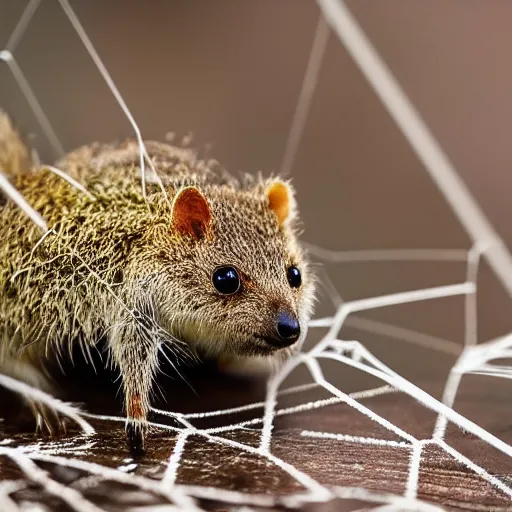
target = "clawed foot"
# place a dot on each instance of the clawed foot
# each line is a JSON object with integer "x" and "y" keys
{"x": 135, "y": 436}
{"x": 48, "y": 421}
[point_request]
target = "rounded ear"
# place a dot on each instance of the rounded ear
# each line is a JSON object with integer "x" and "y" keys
{"x": 281, "y": 200}
{"x": 191, "y": 215}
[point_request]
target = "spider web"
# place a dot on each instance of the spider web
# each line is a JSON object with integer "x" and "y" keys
{"x": 473, "y": 358}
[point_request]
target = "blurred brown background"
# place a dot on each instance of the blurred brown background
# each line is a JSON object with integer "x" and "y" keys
{"x": 230, "y": 71}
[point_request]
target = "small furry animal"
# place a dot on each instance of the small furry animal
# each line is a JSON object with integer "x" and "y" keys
{"x": 204, "y": 264}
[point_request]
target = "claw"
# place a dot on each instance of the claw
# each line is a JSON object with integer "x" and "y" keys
{"x": 48, "y": 422}
{"x": 135, "y": 436}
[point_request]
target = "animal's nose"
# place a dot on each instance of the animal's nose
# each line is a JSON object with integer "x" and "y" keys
{"x": 288, "y": 329}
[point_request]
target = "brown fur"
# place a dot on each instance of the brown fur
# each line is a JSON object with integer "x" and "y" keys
{"x": 135, "y": 271}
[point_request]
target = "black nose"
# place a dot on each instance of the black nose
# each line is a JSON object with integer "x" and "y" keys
{"x": 288, "y": 329}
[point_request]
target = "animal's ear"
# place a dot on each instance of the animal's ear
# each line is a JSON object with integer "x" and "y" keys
{"x": 191, "y": 215}
{"x": 281, "y": 200}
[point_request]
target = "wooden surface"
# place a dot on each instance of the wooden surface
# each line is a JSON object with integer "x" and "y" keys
{"x": 442, "y": 480}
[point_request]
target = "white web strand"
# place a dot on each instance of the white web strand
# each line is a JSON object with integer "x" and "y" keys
{"x": 11, "y": 192}
{"x": 357, "y": 439}
{"x": 411, "y": 490}
{"x": 73, "y": 498}
{"x": 306, "y": 95}
{"x": 8, "y": 487}
{"x": 474, "y": 358}
{"x": 22, "y": 25}
{"x": 32, "y": 100}
{"x": 75, "y": 22}
{"x": 419, "y": 137}
{"x": 470, "y": 318}
{"x": 399, "y": 333}
{"x": 40, "y": 396}
{"x": 69, "y": 179}
{"x": 173, "y": 465}
{"x": 386, "y": 255}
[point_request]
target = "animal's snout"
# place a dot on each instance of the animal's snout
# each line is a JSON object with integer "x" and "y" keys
{"x": 287, "y": 330}
{"x": 288, "y": 327}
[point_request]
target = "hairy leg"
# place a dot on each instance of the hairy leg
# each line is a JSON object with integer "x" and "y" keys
{"x": 48, "y": 421}
{"x": 136, "y": 358}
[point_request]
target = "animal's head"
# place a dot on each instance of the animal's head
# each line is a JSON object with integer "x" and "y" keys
{"x": 237, "y": 282}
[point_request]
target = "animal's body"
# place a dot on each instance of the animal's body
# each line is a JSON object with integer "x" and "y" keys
{"x": 211, "y": 266}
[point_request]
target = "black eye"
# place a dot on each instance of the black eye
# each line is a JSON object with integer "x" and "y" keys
{"x": 226, "y": 280}
{"x": 294, "y": 277}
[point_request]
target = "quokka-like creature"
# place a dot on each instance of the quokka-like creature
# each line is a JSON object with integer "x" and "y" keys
{"x": 204, "y": 264}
